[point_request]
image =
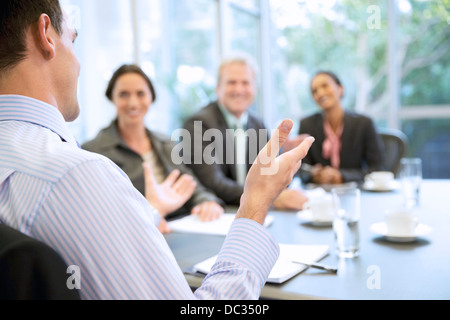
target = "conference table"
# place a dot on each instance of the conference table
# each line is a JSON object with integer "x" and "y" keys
{"x": 416, "y": 270}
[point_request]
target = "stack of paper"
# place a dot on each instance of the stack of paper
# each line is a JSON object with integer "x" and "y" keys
{"x": 193, "y": 224}
{"x": 284, "y": 268}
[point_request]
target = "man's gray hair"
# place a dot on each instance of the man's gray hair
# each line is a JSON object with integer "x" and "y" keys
{"x": 239, "y": 58}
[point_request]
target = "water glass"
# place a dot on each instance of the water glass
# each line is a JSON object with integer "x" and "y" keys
{"x": 347, "y": 207}
{"x": 410, "y": 175}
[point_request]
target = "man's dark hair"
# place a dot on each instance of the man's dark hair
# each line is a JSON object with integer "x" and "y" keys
{"x": 16, "y": 16}
{"x": 125, "y": 69}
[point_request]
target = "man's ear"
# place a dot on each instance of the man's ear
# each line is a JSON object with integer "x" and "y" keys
{"x": 44, "y": 36}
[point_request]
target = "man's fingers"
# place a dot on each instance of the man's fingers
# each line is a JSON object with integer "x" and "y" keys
{"x": 284, "y": 129}
{"x": 300, "y": 152}
{"x": 272, "y": 148}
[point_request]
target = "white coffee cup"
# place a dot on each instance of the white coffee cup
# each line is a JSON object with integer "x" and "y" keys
{"x": 321, "y": 208}
{"x": 381, "y": 179}
{"x": 402, "y": 223}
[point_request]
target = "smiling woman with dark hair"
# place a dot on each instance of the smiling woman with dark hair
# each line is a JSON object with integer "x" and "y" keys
{"x": 128, "y": 143}
{"x": 347, "y": 145}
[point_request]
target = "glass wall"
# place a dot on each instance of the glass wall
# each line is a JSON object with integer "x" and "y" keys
{"x": 179, "y": 48}
{"x": 105, "y": 41}
{"x": 329, "y": 35}
{"x": 392, "y": 56}
{"x": 243, "y": 34}
{"x": 175, "y": 42}
{"x": 424, "y": 57}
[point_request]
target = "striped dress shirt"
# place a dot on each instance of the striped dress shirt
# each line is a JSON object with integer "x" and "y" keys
{"x": 86, "y": 208}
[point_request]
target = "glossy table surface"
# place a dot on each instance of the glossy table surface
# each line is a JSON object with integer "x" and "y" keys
{"x": 384, "y": 269}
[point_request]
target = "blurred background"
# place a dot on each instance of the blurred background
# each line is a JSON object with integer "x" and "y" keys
{"x": 393, "y": 57}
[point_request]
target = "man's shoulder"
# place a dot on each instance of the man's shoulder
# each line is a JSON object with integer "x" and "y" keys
{"x": 43, "y": 154}
{"x": 255, "y": 121}
{"x": 69, "y": 158}
{"x": 205, "y": 113}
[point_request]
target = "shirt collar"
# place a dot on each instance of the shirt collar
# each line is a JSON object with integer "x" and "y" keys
{"x": 231, "y": 120}
{"x": 26, "y": 109}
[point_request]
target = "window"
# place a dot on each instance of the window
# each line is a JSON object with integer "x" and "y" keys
{"x": 328, "y": 35}
{"x": 179, "y": 50}
{"x": 243, "y": 34}
{"x": 244, "y": 28}
{"x": 105, "y": 41}
{"x": 424, "y": 47}
{"x": 392, "y": 56}
{"x": 174, "y": 42}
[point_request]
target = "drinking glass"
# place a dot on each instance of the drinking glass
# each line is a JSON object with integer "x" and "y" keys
{"x": 410, "y": 175}
{"x": 347, "y": 207}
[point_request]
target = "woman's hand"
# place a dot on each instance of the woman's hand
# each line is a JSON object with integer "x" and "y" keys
{"x": 170, "y": 195}
{"x": 327, "y": 175}
{"x": 208, "y": 211}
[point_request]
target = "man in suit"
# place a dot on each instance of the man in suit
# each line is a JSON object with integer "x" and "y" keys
{"x": 224, "y": 169}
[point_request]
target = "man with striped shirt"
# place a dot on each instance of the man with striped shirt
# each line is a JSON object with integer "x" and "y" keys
{"x": 85, "y": 207}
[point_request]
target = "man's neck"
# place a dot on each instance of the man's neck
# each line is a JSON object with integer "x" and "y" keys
{"x": 19, "y": 81}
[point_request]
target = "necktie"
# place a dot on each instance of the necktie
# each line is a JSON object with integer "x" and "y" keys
{"x": 241, "y": 153}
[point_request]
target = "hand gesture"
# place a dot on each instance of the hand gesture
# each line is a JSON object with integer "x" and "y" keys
{"x": 271, "y": 174}
{"x": 294, "y": 142}
{"x": 170, "y": 195}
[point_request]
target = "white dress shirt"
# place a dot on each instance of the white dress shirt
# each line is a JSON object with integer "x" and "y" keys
{"x": 85, "y": 207}
{"x": 240, "y": 142}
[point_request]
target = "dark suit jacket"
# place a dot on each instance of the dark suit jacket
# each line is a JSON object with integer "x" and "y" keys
{"x": 31, "y": 270}
{"x": 109, "y": 143}
{"x": 362, "y": 148}
{"x": 220, "y": 176}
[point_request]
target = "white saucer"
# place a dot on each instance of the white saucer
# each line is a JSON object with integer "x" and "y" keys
{"x": 370, "y": 186}
{"x": 306, "y": 215}
{"x": 381, "y": 229}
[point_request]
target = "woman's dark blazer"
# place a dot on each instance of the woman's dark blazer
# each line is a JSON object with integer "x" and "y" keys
{"x": 362, "y": 147}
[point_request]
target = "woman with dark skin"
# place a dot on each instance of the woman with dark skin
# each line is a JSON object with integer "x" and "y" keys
{"x": 347, "y": 145}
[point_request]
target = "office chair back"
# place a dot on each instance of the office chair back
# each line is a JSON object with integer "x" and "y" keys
{"x": 395, "y": 147}
{"x": 31, "y": 270}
